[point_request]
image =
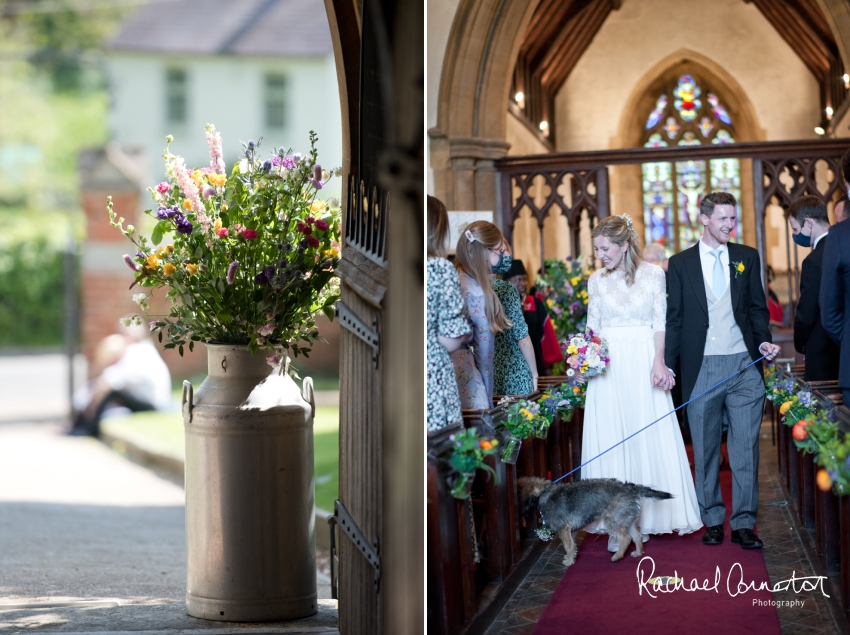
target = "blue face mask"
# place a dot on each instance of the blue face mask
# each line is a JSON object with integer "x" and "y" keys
{"x": 504, "y": 264}
{"x": 800, "y": 239}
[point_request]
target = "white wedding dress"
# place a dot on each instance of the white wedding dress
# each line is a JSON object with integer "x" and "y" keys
{"x": 622, "y": 401}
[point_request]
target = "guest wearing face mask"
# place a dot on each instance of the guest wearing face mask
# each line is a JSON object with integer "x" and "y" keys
{"x": 809, "y": 223}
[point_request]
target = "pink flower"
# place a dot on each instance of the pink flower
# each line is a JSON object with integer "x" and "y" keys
{"x": 312, "y": 241}
{"x": 153, "y": 325}
{"x": 163, "y": 187}
{"x": 266, "y": 329}
{"x": 249, "y": 234}
{"x": 322, "y": 224}
{"x": 274, "y": 360}
{"x": 223, "y": 232}
{"x": 208, "y": 191}
{"x": 214, "y": 144}
{"x": 304, "y": 228}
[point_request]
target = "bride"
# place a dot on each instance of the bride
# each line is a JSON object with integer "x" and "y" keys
{"x": 627, "y": 307}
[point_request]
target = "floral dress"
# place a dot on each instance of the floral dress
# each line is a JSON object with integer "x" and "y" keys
{"x": 474, "y": 361}
{"x": 511, "y": 373}
{"x": 445, "y": 318}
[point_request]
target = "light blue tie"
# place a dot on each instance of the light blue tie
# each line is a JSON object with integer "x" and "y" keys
{"x": 718, "y": 278}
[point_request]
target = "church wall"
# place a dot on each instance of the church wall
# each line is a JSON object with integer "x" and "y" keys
{"x": 732, "y": 33}
{"x": 522, "y": 140}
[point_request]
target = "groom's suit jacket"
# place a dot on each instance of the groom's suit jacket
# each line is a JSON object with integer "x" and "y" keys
{"x": 687, "y": 310}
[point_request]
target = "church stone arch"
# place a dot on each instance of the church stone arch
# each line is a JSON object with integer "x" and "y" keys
{"x": 472, "y": 106}
{"x": 626, "y": 189}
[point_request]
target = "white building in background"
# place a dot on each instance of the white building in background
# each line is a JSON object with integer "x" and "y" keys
{"x": 254, "y": 68}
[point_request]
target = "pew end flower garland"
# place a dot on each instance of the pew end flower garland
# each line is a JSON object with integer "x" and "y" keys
{"x": 814, "y": 430}
{"x": 251, "y": 256}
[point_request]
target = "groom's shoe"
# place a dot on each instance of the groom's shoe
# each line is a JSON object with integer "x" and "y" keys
{"x": 747, "y": 539}
{"x": 713, "y": 535}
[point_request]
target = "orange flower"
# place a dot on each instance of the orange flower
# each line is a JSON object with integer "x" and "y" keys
{"x": 576, "y": 389}
{"x": 187, "y": 204}
{"x": 193, "y": 269}
{"x": 823, "y": 481}
{"x": 168, "y": 269}
{"x": 785, "y": 407}
{"x": 486, "y": 445}
{"x": 153, "y": 261}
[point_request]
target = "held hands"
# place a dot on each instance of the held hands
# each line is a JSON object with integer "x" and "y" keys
{"x": 661, "y": 377}
{"x": 770, "y": 351}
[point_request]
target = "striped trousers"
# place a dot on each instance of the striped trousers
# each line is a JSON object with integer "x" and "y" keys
{"x": 741, "y": 399}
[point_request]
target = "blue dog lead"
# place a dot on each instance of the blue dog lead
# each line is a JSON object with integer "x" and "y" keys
{"x": 722, "y": 381}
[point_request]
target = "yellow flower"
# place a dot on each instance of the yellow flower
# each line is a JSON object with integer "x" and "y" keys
{"x": 550, "y": 303}
{"x": 217, "y": 224}
{"x": 153, "y": 261}
{"x": 740, "y": 267}
{"x": 785, "y": 407}
{"x": 525, "y": 413}
{"x": 318, "y": 206}
{"x": 217, "y": 179}
{"x": 160, "y": 251}
{"x": 574, "y": 281}
{"x": 187, "y": 204}
{"x": 170, "y": 248}
{"x": 193, "y": 269}
{"x": 198, "y": 177}
{"x": 168, "y": 269}
{"x": 224, "y": 205}
{"x": 571, "y": 349}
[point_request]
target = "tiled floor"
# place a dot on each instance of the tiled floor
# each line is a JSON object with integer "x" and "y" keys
{"x": 784, "y": 553}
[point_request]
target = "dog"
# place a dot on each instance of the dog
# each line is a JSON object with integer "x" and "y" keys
{"x": 568, "y": 507}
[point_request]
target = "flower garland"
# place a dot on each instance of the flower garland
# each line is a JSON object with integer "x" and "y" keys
{"x": 814, "y": 430}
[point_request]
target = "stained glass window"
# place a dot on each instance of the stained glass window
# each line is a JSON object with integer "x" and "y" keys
{"x": 672, "y": 191}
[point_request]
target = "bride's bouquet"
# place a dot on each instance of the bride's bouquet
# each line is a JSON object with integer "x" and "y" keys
{"x": 586, "y": 353}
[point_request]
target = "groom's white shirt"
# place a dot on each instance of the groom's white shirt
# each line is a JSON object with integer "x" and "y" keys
{"x": 707, "y": 262}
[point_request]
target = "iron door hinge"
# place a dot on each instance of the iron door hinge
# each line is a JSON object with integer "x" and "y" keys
{"x": 369, "y": 551}
{"x": 349, "y": 320}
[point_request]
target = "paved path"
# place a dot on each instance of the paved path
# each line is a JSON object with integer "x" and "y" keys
{"x": 35, "y": 387}
{"x": 79, "y": 522}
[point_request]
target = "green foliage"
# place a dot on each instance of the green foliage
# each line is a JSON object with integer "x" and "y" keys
{"x": 31, "y": 294}
{"x": 470, "y": 449}
{"x": 564, "y": 289}
{"x": 252, "y": 263}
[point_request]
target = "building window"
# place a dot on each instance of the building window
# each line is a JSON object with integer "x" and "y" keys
{"x": 672, "y": 191}
{"x": 176, "y": 91}
{"x": 275, "y": 101}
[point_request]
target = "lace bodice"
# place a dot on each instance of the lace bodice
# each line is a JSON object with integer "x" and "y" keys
{"x": 612, "y": 303}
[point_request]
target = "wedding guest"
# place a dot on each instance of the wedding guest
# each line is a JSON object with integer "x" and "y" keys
{"x": 533, "y": 310}
{"x": 777, "y": 317}
{"x": 480, "y": 253}
{"x": 835, "y": 294}
{"x": 842, "y": 212}
{"x": 809, "y": 223}
{"x": 137, "y": 380}
{"x": 655, "y": 254}
{"x": 447, "y": 327}
{"x": 514, "y": 363}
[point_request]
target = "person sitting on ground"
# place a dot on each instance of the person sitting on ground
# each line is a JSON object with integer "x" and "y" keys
{"x": 137, "y": 379}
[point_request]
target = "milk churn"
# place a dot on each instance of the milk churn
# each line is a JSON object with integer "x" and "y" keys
{"x": 250, "y": 534}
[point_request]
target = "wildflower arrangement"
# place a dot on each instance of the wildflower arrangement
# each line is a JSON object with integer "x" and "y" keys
{"x": 814, "y": 430}
{"x": 470, "y": 449}
{"x": 561, "y": 400}
{"x": 585, "y": 353}
{"x": 564, "y": 289}
{"x": 467, "y": 456}
{"x": 246, "y": 258}
{"x": 523, "y": 418}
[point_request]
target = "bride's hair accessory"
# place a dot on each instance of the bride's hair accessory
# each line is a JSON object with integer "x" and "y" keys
{"x": 469, "y": 236}
{"x": 628, "y": 220}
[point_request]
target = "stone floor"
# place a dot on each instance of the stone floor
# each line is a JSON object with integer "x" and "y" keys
{"x": 785, "y": 551}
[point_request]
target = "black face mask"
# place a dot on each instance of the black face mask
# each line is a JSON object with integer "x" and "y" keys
{"x": 504, "y": 264}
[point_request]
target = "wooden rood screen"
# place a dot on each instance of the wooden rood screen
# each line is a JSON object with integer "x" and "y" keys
{"x": 578, "y": 182}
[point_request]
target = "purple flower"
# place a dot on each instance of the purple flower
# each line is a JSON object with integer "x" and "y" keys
{"x": 164, "y": 213}
{"x": 231, "y": 271}
{"x": 260, "y": 278}
{"x": 153, "y": 325}
{"x": 296, "y": 157}
{"x": 183, "y": 225}
{"x": 139, "y": 254}
{"x": 208, "y": 191}
{"x": 286, "y": 162}
{"x": 268, "y": 272}
{"x": 129, "y": 262}
{"x": 317, "y": 172}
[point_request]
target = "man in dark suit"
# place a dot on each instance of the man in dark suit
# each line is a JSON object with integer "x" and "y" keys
{"x": 809, "y": 223}
{"x": 835, "y": 296}
{"x": 717, "y": 324}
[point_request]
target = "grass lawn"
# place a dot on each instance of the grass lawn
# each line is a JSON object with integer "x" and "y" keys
{"x": 163, "y": 432}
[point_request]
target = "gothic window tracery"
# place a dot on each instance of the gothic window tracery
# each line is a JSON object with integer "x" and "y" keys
{"x": 686, "y": 115}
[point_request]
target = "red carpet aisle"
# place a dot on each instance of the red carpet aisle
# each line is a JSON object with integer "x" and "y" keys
{"x": 600, "y": 596}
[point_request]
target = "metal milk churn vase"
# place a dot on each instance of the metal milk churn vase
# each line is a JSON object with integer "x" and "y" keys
{"x": 250, "y": 534}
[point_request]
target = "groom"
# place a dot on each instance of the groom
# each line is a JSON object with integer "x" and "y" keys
{"x": 717, "y": 323}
